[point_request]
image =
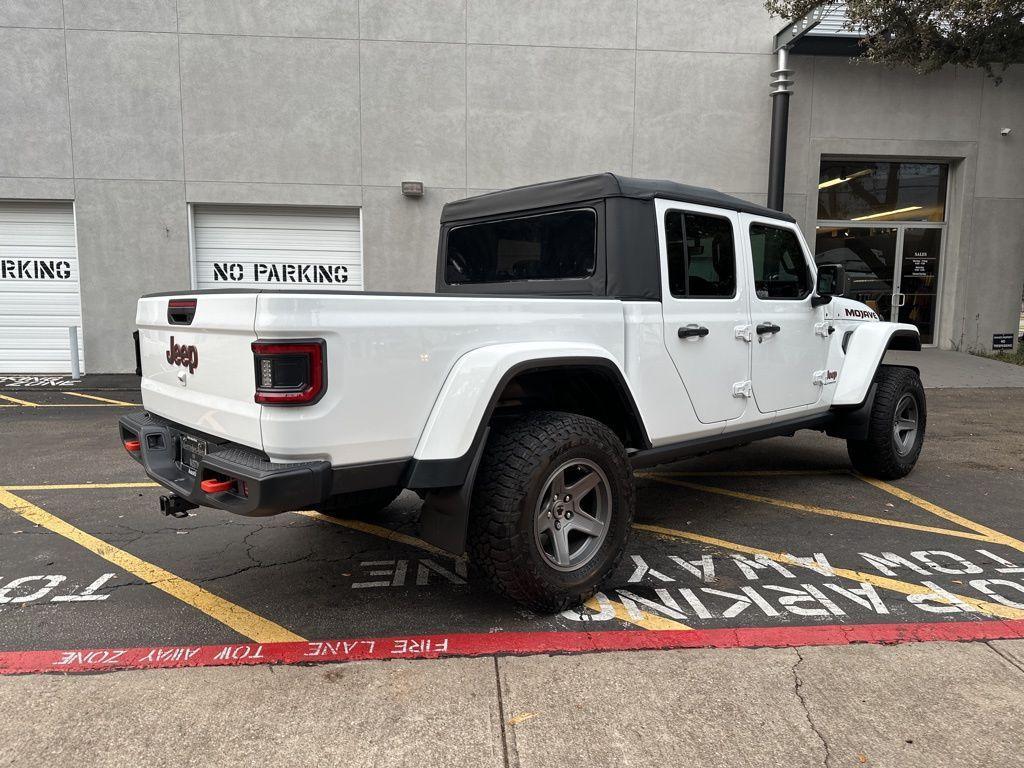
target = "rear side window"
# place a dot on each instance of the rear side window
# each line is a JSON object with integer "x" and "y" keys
{"x": 553, "y": 246}
{"x": 701, "y": 256}
{"x": 780, "y": 269}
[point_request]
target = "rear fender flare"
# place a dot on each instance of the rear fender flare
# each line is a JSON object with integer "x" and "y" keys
{"x": 470, "y": 392}
{"x": 865, "y": 349}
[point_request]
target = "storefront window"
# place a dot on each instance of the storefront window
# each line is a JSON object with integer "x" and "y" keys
{"x": 871, "y": 191}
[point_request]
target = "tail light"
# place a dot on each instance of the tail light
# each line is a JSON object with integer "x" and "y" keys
{"x": 290, "y": 372}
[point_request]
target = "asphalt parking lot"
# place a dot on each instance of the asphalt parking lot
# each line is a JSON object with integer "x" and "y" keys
{"x": 773, "y": 544}
{"x": 768, "y": 613}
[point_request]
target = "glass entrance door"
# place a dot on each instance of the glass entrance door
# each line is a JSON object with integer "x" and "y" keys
{"x": 917, "y": 293}
{"x": 894, "y": 270}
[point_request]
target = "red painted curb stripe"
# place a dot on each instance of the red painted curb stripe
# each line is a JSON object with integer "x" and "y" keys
{"x": 497, "y": 643}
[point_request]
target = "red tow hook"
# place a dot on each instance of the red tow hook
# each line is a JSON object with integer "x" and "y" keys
{"x": 134, "y": 446}
{"x": 217, "y": 486}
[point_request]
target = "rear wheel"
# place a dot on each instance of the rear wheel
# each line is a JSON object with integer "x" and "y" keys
{"x": 359, "y": 503}
{"x": 552, "y": 508}
{"x": 896, "y": 426}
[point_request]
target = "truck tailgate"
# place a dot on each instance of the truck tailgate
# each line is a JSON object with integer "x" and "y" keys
{"x": 216, "y": 395}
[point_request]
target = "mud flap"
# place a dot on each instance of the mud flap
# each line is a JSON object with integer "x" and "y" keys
{"x": 444, "y": 518}
{"x": 852, "y": 423}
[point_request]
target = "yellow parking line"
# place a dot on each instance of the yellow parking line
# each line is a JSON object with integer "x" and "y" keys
{"x": 16, "y": 401}
{"x": 646, "y": 620}
{"x": 67, "y": 405}
{"x": 905, "y": 587}
{"x": 79, "y": 486}
{"x": 239, "y": 619}
{"x": 994, "y": 536}
{"x": 376, "y": 530}
{"x": 815, "y": 510}
{"x": 100, "y": 399}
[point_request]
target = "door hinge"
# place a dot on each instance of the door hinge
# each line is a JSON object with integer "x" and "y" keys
{"x": 745, "y": 332}
{"x": 742, "y": 389}
{"x": 823, "y": 329}
{"x": 826, "y": 377}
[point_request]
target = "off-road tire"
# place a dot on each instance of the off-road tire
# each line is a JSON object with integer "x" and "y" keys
{"x": 359, "y": 504}
{"x": 879, "y": 455}
{"x": 519, "y": 457}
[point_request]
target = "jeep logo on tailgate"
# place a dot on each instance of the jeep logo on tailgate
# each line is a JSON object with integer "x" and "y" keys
{"x": 186, "y": 356}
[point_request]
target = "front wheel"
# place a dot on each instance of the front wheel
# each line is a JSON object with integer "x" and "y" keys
{"x": 895, "y": 427}
{"x": 552, "y": 508}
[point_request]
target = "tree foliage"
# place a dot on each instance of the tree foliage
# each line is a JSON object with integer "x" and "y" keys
{"x": 929, "y": 34}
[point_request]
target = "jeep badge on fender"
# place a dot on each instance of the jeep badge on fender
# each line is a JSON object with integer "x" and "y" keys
{"x": 186, "y": 356}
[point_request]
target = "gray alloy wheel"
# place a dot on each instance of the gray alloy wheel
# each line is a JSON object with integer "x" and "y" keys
{"x": 905, "y": 424}
{"x": 572, "y": 515}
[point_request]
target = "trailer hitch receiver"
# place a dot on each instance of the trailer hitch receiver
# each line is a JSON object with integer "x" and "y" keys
{"x": 175, "y": 506}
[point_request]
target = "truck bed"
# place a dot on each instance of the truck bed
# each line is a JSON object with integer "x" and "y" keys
{"x": 388, "y": 356}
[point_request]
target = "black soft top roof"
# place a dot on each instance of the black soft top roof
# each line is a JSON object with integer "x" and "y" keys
{"x": 594, "y": 187}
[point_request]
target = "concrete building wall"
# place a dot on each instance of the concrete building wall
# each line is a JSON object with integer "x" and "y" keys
{"x": 135, "y": 108}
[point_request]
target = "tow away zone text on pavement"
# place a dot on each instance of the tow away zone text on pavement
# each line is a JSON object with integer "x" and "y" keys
{"x": 492, "y": 644}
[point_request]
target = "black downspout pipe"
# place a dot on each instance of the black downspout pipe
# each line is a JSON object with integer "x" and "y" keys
{"x": 780, "y": 131}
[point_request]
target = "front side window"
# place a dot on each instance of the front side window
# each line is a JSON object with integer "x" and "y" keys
{"x": 780, "y": 270}
{"x": 553, "y": 246}
{"x": 701, "y": 256}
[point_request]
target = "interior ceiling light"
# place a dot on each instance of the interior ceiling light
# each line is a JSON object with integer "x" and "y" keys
{"x": 844, "y": 179}
{"x": 887, "y": 213}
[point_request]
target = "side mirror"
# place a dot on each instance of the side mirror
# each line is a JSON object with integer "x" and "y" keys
{"x": 831, "y": 282}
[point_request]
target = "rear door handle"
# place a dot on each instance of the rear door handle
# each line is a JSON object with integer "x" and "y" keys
{"x": 693, "y": 330}
{"x": 763, "y": 328}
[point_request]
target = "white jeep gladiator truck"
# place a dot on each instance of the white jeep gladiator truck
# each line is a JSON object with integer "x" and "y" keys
{"x": 580, "y": 329}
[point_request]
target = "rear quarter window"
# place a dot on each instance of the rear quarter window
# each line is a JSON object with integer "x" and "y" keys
{"x": 552, "y": 246}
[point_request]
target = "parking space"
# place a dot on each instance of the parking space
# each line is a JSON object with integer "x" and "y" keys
{"x": 776, "y": 543}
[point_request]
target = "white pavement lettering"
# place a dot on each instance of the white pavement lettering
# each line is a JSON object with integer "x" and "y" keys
{"x": 397, "y": 572}
{"x": 403, "y": 646}
{"x": 939, "y": 600}
{"x": 703, "y": 569}
{"x": 51, "y": 582}
{"x": 87, "y": 594}
{"x": 238, "y": 652}
{"x": 667, "y": 607}
{"x": 809, "y": 594}
{"x": 338, "y": 649}
{"x": 749, "y": 567}
{"x": 174, "y": 653}
{"x": 426, "y": 565}
{"x": 742, "y": 601}
{"x": 642, "y": 569}
{"x": 887, "y": 562}
{"x": 79, "y": 658}
{"x": 863, "y": 595}
{"x": 927, "y": 557}
{"x": 1009, "y": 566}
{"x": 985, "y": 587}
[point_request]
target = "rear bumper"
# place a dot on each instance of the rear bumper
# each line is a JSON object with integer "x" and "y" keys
{"x": 261, "y": 487}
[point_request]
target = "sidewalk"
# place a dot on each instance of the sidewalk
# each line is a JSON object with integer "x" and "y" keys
{"x": 942, "y": 369}
{"x": 925, "y": 704}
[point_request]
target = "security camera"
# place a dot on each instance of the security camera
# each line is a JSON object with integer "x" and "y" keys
{"x": 1006, "y": 131}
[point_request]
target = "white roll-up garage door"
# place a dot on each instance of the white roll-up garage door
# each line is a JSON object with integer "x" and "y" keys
{"x": 39, "y": 287}
{"x": 277, "y": 247}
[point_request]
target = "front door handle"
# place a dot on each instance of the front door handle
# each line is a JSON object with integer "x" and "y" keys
{"x": 693, "y": 330}
{"x": 763, "y": 328}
